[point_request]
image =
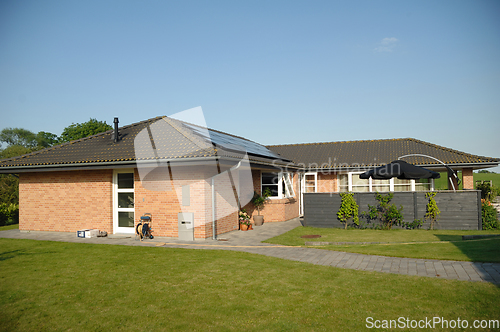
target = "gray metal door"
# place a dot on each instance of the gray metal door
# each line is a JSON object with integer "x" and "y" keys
{"x": 186, "y": 226}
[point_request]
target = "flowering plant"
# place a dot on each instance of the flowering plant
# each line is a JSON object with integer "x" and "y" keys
{"x": 244, "y": 217}
{"x": 486, "y": 202}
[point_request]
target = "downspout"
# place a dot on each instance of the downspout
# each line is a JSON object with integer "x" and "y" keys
{"x": 450, "y": 171}
{"x": 214, "y": 232}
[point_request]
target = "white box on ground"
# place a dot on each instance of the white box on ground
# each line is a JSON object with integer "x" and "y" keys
{"x": 87, "y": 233}
{"x": 82, "y": 232}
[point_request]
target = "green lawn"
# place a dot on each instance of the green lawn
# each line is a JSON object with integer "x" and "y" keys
{"x": 402, "y": 243}
{"x": 85, "y": 287}
{"x": 442, "y": 182}
{"x": 6, "y": 228}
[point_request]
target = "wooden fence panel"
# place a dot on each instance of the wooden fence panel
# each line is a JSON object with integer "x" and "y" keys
{"x": 459, "y": 210}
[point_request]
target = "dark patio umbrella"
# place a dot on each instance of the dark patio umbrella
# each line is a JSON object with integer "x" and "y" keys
{"x": 399, "y": 169}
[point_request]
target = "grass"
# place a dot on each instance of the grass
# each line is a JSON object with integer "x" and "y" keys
{"x": 442, "y": 182}
{"x": 83, "y": 287}
{"x": 403, "y": 243}
{"x": 7, "y": 227}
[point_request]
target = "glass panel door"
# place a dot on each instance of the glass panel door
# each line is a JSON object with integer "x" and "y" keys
{"x": 123, "y": 202}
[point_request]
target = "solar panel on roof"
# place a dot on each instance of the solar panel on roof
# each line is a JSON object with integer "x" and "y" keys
{"x": 231, "y": 142}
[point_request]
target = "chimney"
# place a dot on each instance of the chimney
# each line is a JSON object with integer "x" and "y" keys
{"x": 116, "y": 135}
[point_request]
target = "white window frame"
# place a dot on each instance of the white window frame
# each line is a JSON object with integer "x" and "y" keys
{"x": 284, "y": 178}
{"x": 116, "y": 191}
{"x": 370, "y": 183}
{"x": 315, "y": 181}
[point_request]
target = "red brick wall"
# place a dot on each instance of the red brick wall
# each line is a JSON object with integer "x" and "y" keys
{"x": 276, "y": 209}
{"x": 163, "y": 201}
{"x": 327, "y": 182}
{"x": 467, "y": 178}
{"x": 72, "y": 200}
{"x": 66, "y": 201}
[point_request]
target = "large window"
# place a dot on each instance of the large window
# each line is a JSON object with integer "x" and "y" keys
{"x": 280, "y": 184}
{"x": 352, "y": 183}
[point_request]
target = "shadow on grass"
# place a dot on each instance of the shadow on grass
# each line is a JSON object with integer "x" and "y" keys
{"x": 480, "y": 250}
{"x": 10, "y": 254}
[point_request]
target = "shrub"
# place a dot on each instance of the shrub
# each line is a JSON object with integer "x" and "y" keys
{"x": 9, "y": 214}
{"x": 488, "y": 192}
{"x": 415, "y": 224}
{"x": 432, "y": 209}
{"x": 387, "y": 214}
{"x": 348, "y": 209}
{"x": 490, "y": 215}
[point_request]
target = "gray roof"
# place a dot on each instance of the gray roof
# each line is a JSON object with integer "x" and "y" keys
{"x": 371, "y": 153}
{"x": 160, "y": 138}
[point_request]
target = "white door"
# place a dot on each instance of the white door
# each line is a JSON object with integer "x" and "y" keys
{"x": 123, "y": 201}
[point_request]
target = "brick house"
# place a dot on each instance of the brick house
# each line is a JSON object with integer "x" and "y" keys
{"x": 336, "y": 166}
{"x": 171, "y": 169}
{"x": 159, "y": 166}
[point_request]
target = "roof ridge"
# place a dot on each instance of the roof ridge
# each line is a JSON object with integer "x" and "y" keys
{"x": 337, "y": 142}
{"x": 187, "y": 134}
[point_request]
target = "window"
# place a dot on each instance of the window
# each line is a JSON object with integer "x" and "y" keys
{"x": 280, "y": 184}
{"x": 343, "y": 182}
{"x": 424, "y": 184}
{"x": 402, "y": 185}
{"x": 359, "y": 185}
{"x": 352, "y": 183}
{"x": 310, "y": 182}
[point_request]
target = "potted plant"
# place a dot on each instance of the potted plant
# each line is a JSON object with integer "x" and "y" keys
{"x": 244, "y": 219}
{"x": 258, "y": 201}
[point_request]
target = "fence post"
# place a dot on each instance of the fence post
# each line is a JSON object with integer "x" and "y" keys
{"x": 479, "y": 211}
{"x": 415, "y": 210}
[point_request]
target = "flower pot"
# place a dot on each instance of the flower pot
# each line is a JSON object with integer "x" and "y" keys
{"x": 258, "y": 220}
{"x": 243, "y": 227}
{"x": 250, "y": 227}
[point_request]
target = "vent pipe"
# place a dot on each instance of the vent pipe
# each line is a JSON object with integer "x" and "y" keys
{"x": 116, "y": 135}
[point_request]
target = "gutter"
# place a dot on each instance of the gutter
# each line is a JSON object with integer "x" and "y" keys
{"x": 124, "y": 164}
{"x": 214, "y": 232}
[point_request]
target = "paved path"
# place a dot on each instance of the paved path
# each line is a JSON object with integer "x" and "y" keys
{"x": 250, "y": 242}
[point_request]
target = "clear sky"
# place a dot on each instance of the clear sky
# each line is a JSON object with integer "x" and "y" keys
{"x": 275, "y": 72}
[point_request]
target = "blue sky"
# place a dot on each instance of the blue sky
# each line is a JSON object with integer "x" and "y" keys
{"x": 275, "y": 72}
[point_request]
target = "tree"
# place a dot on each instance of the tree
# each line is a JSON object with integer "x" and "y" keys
{"x": 27, "y": 139}
{"x": 46, "y": 140}
{"x": 348, "y": 209}
{"x": 14, "y": 151}
{"x": 81, "y": 130}
{"x": 18, "y": 136}
{"x": 9, "y": 189}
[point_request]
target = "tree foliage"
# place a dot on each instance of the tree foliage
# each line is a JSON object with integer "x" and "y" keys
{"x": 18, "y": 136}
{"x": 432, "y": 209}
{"x": 14, "y": 151}
{"x": 348, "y": 209}
{"x": 9, "y": 192}
{"x": 21, "y": 141}
{"x": 489, "y": 215}
{"x": 21, "y": 137}
{"x": 81, "y": 130}
{"x": 388, "y": 214}
{"x": 46, "y": 140}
